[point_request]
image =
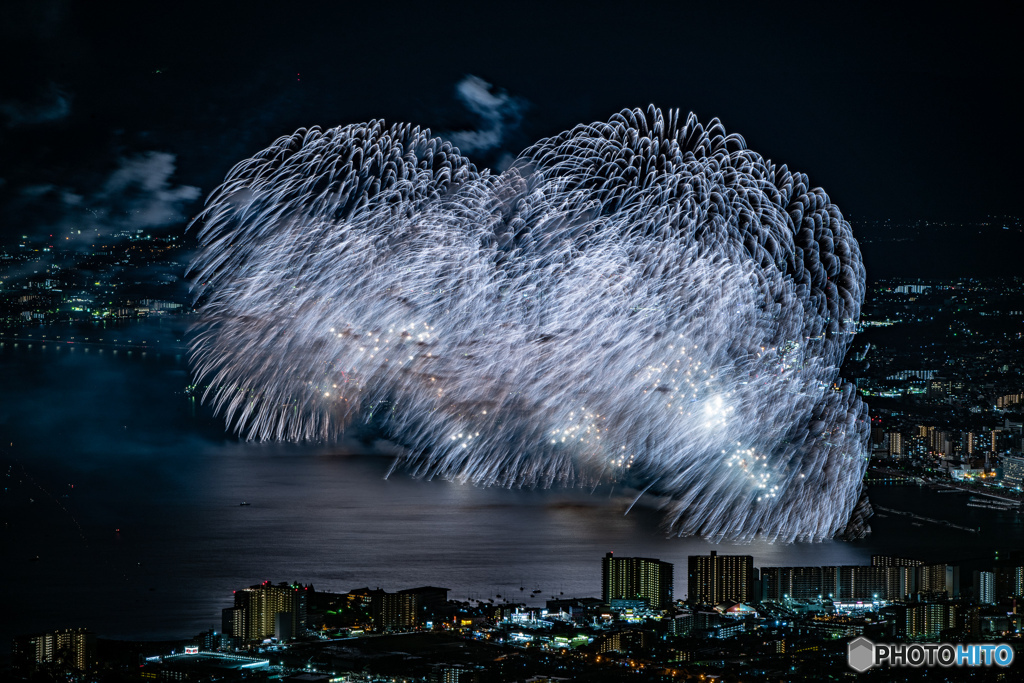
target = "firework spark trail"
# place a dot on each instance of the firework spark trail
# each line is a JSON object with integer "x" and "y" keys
{"x": 643, "y": 299}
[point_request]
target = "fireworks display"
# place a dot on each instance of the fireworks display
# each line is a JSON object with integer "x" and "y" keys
{"x": 643, "y": 300}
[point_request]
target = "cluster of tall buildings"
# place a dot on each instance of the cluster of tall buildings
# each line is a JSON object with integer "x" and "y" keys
{"x": 914, "y": 600}
{"x": 282, "y": 611}
{"x": 715, "y": 579}
{"x": 405, "y": 610}
{"x": 69, "y": 649}
{"x": 928, "y": 440}
{"x": 923, "y": 600}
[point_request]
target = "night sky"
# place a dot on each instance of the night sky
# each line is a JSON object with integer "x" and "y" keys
{"x": 899, "y": 114}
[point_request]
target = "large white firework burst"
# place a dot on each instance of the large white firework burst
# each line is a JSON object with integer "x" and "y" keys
{"x": 644, "y": 299}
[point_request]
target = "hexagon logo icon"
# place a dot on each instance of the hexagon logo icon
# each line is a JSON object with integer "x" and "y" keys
{"x": 860, "y": 654}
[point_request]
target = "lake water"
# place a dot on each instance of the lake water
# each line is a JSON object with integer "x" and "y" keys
{"x": 128, "y": 494}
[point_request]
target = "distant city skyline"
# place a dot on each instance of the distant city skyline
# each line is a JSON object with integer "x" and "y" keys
{"x": 761, "y": 615}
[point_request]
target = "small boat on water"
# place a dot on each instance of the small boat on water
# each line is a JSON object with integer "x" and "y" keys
{"x": 243, "y": 504}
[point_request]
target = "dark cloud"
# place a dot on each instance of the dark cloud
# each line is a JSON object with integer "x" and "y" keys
{"x": 138, "y": 195}
{"x": 52, "y": 104}
{"x": 499, "y": 114}
{"x": 141, "y": 195}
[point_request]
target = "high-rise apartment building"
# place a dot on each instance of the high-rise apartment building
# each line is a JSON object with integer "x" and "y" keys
{"x": 637, "y": 578}
{"x": 894, "y": 444}
{"x": 717, "y": 578}
{"x": 792, "y": 583}
{"x": 926, "y": 621}
{"x": 267, "y": 610}
{"x": 985, "y": 587}
{"x": 1009, "y": 571}
{"x": 940, "y": 578}
{"x": 393, "y": 612}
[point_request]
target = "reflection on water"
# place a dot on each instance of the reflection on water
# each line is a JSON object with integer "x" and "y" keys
{"x": 129, "y": 497}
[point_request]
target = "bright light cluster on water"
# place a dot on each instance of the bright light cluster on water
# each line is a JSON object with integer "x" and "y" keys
{"x": 643, "y": 300}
